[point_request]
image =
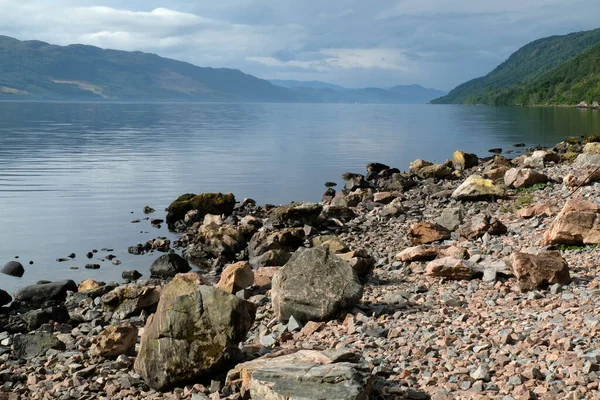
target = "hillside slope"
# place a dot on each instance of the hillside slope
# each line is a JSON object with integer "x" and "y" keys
{"x": 38, "y": 70}
{"x": 570, "y": 83}
{"x": 525, "y": 65}
{"x": 324, "y": 92}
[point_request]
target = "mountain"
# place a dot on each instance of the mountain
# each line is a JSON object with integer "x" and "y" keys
{"x": 38, "y": 70}
{"x": 526, "y": 65}
{"x": 41, "y": 71}
{"x": 324, "y": 92}
{"x": 292, "y": 84}
{"x": 570, "y": 83}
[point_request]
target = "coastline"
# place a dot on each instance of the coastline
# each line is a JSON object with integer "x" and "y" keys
{"x": 441, "y": 313}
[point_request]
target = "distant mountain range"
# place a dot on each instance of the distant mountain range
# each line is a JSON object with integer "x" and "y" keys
{"x": 556, "y": 70}
{"x": 41, "y": 71}
{"x": 329, "y": 93}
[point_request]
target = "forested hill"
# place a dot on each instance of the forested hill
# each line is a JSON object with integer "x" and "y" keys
{"x": 38, "y": 70}
{"x": 522, "y": 68}
{"x": 572, "y": 82}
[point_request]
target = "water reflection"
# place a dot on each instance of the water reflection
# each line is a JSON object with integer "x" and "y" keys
{"x": 72, "y": 173}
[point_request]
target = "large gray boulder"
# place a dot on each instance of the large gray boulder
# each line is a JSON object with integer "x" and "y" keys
{"x": 314, "y": 285}
{"x": 169, "y": 265}
{"x": 306, "y": 374}
{"x": 40, "y": 293}
{"x": 35, "y": 344}
{"x": 196, "y": 328}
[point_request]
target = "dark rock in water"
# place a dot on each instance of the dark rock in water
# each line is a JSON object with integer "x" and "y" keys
{"x": 137, "y": 250}
{"x": 89, "y": 255}
{"x": 330, "y": 184}
{"x": 41, "y": 292}
{"x": 63, "y": 259}
{"x": 13, "y": 268}
{"x": 148, "y": 210}
{"x": 30, "y": 262}
{"x": 519, "y": 145}
{"x": 72, "y": 255}
{"x": 377, "y": 167}
{"x": 5, "y": 298}
{"x": 169, "y": 265}
{"x": 131, "y": 275}
{"x": 207, "y": 203}
{"x": 35, "y": 344}
{"x": 156, "y": 221}
{"x": 495, "y": 150}
{"x": 36, "y": 318}
{"x": 328, "y": 195}
{"x": 92, "y": 266}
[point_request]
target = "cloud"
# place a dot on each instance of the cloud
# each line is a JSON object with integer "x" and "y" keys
{"x": 437, "y": 43}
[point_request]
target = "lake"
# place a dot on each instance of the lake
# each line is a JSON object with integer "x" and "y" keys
{"x": 74, "y": 175}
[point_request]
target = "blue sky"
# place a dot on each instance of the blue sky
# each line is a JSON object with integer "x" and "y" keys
{"x": 436, "y": 43}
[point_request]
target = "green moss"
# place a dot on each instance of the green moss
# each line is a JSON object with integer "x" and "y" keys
{"x": 569, "y": 156}
{"x": 206, "y": 203}
{"x": 564, "y": 247}
{"x": 537, "y": 186}
{"x": 591, "y": 139}
{"x": 572, "y": 140}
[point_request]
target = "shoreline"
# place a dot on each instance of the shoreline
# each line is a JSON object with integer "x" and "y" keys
{"x": 443, "y": 310}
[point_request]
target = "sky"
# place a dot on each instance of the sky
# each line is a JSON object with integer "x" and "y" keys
{"x": 382, "y": 43}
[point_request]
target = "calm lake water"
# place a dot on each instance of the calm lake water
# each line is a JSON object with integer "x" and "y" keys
{"x": 73, "y": 175}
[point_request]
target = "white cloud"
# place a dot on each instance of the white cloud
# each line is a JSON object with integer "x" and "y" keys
{"x": 331, "y": 59}
{"x": 438, "y": 43}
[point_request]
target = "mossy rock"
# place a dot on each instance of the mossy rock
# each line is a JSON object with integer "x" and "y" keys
{"x": 206, "y": 203}
{"x": 295, "y": 214}
{"x": 591, "y": 139}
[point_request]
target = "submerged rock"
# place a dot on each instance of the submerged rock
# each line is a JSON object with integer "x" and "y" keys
{"x": 13, "y": 268}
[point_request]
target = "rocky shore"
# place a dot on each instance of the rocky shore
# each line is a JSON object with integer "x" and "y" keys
{"x": 473, "y": 279}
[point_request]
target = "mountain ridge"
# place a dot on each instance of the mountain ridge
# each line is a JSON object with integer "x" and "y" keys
{"x": 37, "y": 70}
{"x": 525, "y": 65}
